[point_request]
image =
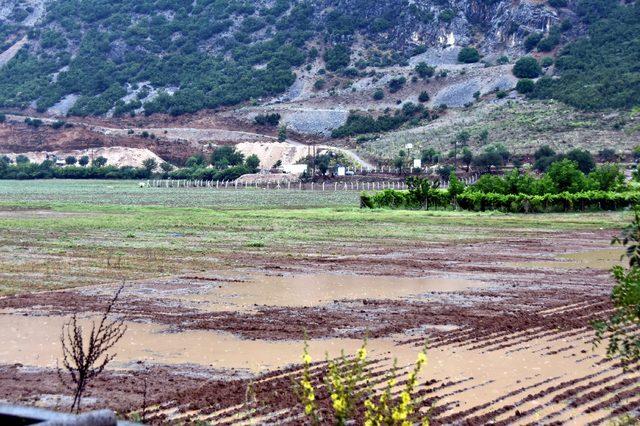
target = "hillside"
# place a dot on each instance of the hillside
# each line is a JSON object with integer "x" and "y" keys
{"x": 415, "y": 64}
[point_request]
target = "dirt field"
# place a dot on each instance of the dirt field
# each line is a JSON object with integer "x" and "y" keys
{"x": 219, "y": 297}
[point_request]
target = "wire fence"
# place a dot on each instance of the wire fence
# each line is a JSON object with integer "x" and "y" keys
{"x": 353, "y": 185}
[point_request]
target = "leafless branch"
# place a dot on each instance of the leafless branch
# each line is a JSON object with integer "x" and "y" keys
{"x": 83, "y": 359}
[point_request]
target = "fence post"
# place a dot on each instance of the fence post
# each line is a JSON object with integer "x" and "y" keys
{"x": 335, "y": 186}
{"x": 323, "y": 186}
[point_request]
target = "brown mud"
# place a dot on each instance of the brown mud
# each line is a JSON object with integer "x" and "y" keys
{"x": 508, "y": 324}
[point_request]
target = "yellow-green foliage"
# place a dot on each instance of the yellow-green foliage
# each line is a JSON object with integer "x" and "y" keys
{"x": 349, "y": 386}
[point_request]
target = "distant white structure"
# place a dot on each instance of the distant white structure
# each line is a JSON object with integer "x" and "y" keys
{"x": 294, "y": 169}
{"x": 417, "y": 163}
{"x": 342, "y": 171}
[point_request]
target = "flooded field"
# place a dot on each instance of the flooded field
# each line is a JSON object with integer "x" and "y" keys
{"x": 216, "y": 304}
{"x": 476, "y": 374}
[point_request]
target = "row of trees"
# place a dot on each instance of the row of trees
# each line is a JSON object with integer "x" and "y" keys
{"x": 224, "y": 163}
{"x": 98, "y": 169}
{"x": 563, "y": 179}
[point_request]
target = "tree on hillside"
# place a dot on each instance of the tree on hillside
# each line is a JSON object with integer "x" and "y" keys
{"x": 84, "y": 160}
{"x": 525, "y": 85}
{"x": 150, "y": 164}
{"x": 99, "y": 162}
{"x": 467, "y": 157}
{"x": 493, "y": 156}
{"x": 22, "y": 159}
{"x": 395, "y": 84}
{"x": 424, "y": 70}
{"x": 70, "y": 160}
{"x": 566, "y": 176}
{"x": 527, "y": 67}
{"x": 583, "y": 159}
{"x": 225, "y": 156}
{"x": 430, "y": 156}
{"x": 252, "y": 163}
{"x": 282, "y": 133}
{"x": 337, "y": 57}
{"x": 468, "y": 55}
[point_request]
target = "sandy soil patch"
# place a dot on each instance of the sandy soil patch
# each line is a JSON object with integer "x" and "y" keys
{"x": 116, "y": 156}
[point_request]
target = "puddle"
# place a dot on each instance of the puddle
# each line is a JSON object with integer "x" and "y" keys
{"x": 312, "y": 290}
{"x": 478, "y": 378}
{"x": 34, "y": 341}
{"x": 595, "y": 259}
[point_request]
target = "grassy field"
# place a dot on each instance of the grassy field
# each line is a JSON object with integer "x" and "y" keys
{"x": 58, "y": 234}
{"x": 103, "y": 192}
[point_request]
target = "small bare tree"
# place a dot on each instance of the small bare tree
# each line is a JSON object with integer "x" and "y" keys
{"x": 84, "y": 359}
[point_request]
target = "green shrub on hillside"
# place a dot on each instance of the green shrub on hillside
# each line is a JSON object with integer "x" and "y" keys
{"x": 527, "y": 67}
{"x": 468, "y": 55}
{"x": 525, "y": 86}
{"x": 337, "y": 57}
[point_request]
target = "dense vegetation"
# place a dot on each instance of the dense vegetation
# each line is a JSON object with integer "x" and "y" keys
{"x": 225, "y": 163}
{"x": 157, "y": 44}
{"x": 603, "y": 69}
{"x": 360, "y": 123}
{"x": 564, "y": 187}
{"x": 22, "y": 169}
{"x": 176, "y": 56}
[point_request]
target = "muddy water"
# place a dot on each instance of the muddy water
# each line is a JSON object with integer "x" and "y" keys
{"x": 484, "y": 375}
{"x": 314, "y": 290}
{"x": 594, "y": 259}
{"x": 35, "y": 341}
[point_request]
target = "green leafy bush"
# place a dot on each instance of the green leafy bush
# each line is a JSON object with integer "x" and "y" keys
{"x": 272, "y": 119}
{"x": 525, "y": 86}
{"x": 468, "y": 55}
{"x": 527, "y": 67}
{"x": 337, "y": 57}
{"x": 395, "y": 84}
{"x": 424, "y": 70}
